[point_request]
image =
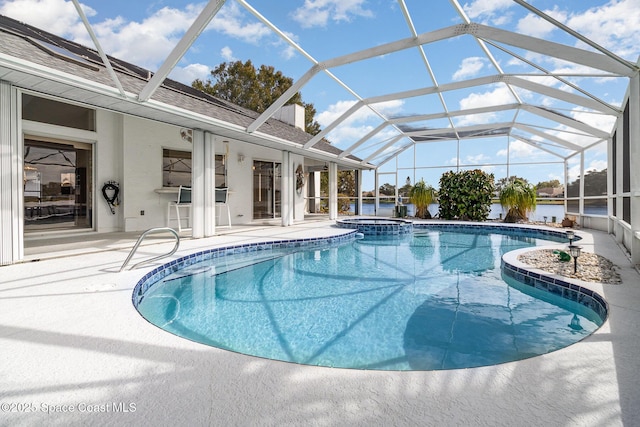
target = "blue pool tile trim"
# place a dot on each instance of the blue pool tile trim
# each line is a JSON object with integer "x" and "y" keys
{"x": 157, "y": 274}
{"x": 376, "y": 226}
{"x": 559, "y": 287}
{"x": 538, "y": 233}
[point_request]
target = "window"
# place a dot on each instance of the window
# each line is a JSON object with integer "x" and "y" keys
{"x": 176, "y": 169}
{"x": 52, "y": 112}
{"x": 221, "y": 171}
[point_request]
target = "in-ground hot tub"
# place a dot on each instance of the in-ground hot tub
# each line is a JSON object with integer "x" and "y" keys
{"x": 377, "y": 226}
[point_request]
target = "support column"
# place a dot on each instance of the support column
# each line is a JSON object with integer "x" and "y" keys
{"x": 197, "y": 184}
{"x": 376, "y": 191}
{"x": 333, "y": 191}
{"x": 619, "y": 199}
{"x": 209, "y": 185}
{"x": 11, "y": 170}
{"x": 359, "y": 175}
{"x": 566, "y": 184}
{"x": 634, "y": 159}
{"x": 581, "y": 191}
{"x": 287, "y": 189}
{"x": 317, "y": 192}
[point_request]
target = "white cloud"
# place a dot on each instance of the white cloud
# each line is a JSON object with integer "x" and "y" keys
{"x": 227, "y": 54}
{"x": 190, "y": 73}
{"x": 57, "y": 16}
{"x": 474, "y": 160}
{"x": 334, "y": 111}
{"x": 616, "y": 26}
{"x": 288, "y": 51}
{"x": 598, "y": 121}
{"x": 469, "y": 67}
{"x": 535, "y": 26}
{"x": 362, "y": 115}
{"x": 317, "y": 13}
{"x": 230, "y": 20}
{"x": 596, "y": 165}
{"x": 146, "y": 43}
{"x": 359, "y": 123}
{"x": 500, "y": 95}
{"x": 518, "y": 150}
{"x": 492, "y": 11}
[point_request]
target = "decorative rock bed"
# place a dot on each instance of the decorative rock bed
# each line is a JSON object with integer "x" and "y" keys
{"x": 591, "y": 267}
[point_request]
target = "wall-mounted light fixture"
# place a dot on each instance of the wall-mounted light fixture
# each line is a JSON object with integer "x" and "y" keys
{"x": 186, "y": 135}
{"x": 240, "y": 158}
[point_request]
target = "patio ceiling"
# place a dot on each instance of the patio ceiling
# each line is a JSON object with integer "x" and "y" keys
{"x": 548, "y": 109}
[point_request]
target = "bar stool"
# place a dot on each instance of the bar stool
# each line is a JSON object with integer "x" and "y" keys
{"x": 183, "y": 201}
{"x": 222, "y": 201}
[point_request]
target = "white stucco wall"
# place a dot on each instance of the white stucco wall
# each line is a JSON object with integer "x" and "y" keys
{"x": 142, "y": 144}
{"x": 108, "y": 152}
{"x": 143, "y": 141}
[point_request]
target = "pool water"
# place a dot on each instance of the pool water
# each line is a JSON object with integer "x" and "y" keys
{"x": 431, "y": 300}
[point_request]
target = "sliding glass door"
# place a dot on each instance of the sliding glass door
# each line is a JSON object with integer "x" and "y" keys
{"x": 267, "y": 177}
{"x": 57, "y": 185}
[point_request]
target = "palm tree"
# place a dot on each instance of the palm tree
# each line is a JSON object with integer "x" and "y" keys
{"x": 520, "y": 198}
{"x": 422, "y": 195}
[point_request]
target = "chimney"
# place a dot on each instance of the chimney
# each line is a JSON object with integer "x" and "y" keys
{"x": 291, "y": 114}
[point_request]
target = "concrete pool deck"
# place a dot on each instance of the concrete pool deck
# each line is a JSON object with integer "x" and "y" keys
{"x": 72, "y": 343}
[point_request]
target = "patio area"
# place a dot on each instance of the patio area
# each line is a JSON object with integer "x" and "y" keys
{"x": 73, "y": 345}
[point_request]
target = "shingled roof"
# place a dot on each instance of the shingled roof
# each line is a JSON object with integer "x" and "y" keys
{"x": 41, "y": 48}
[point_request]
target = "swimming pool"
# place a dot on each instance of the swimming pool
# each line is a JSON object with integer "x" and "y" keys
{"x": 435, "y": 299}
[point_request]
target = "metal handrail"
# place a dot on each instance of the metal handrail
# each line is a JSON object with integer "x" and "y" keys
{"x": 141, "y": 238}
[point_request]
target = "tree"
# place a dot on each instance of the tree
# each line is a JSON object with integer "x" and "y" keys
{"x": 255, "y": 89}
{"x": 554, "y": 183}
{"x": 421, "y": 195}
{"x": 387, "y": 189}
{"x": 504, "y": 181}
{"x": 347, "y": 183}
{"x": 595, "y": 184}
{"x": 520, "y": 198}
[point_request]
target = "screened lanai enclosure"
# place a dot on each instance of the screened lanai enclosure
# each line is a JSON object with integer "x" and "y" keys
{"x": 403, "y": 92}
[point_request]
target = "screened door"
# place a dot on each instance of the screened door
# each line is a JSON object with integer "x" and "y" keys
{"x": 267, "y": 178}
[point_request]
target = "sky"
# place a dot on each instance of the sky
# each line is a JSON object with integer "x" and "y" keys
{"x": 144, "y": 32}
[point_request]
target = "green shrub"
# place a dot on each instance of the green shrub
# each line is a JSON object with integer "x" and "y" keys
{"x": 465, "y": 195}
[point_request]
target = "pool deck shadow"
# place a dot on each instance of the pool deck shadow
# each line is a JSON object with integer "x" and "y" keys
{"x": 72, "y": 341}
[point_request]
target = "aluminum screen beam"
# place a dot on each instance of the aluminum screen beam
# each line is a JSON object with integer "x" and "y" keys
{"x": 198, "y": 26}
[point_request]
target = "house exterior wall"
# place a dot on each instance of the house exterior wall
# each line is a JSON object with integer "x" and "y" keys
{"x": 143, "y": 142}
{"x": 142, "y": 145}
{"x": 127, "y": 150}
{"x": 108, "y": 165}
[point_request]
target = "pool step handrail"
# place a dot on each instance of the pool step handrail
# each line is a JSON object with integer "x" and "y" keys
{"x": 141, "y": 238}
